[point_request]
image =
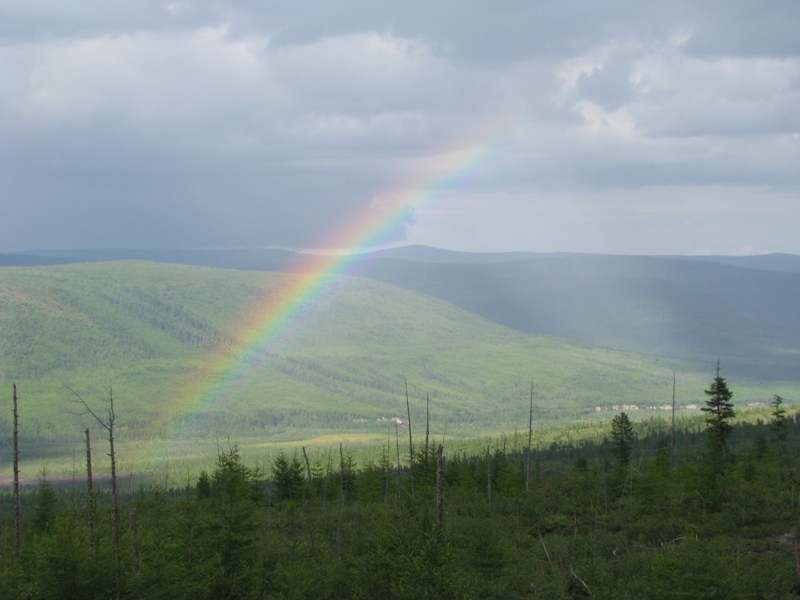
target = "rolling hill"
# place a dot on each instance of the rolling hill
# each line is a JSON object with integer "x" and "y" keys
{"x": 695, "y": 310}
{"x": 741, "y": 310}
{"x": 148, "y": 330}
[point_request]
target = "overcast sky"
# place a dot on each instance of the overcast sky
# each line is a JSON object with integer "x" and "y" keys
{"x": 622, "y": 127}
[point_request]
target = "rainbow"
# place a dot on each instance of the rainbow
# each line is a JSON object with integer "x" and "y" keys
{"x": 300, "y": 293}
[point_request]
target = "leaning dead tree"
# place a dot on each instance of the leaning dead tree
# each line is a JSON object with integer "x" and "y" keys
{"x": 108, "y": 425}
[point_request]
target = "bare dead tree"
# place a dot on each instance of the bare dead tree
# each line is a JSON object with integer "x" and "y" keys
{"x": 439, "y": 497}
{"x": 672, "y": 433}
{"x": 308, "y": 467}
{"x": 530, "y": 436}
{"x": 341, "y": 506}
{"x": 16, "y": 476}
{"x": 89, "y": 491}
{"x": 388, "y": 461}
{"x": 582, "y": 581}
{"x": 341, "y": 472}
{"x": 427, "y": 425}
{"x": 397, "y": 443}
{"x": 488, "y": 475}
{"x": 410, "y": 443}
{"x": 108, "y": 425}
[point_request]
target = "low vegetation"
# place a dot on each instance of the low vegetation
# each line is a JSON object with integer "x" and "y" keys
{"x": 660, "y": 519}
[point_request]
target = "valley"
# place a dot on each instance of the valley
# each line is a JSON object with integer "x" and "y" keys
{"x": 156, "y": 334}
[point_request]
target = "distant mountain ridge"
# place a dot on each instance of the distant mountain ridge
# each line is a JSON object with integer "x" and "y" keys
{"x": 280, "y": 259}
{"x": 696, "y": 310}
{"x": 789, "y": 263}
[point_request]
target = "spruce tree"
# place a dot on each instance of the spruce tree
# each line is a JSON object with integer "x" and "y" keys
{"x": 719, "y": 412}
{"x": 622, "y": 438}
{"x": 778, "y": 425}
{"x": 287, "y": 476}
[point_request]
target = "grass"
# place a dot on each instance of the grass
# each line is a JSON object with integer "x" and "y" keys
{"x": 174, "y": 463}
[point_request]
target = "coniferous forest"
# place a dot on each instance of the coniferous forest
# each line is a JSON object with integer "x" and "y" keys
{"x": 641, "y": 512}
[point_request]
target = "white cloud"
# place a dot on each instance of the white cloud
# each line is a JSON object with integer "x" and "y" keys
{"x": 650, "y": 220}
{"x": 268, "y": 124}
{"x": 146, "y": 79}
{"x": 681, "y": 96}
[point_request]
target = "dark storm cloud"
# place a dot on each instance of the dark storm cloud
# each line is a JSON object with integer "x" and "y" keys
{"x": 252, "y": 124}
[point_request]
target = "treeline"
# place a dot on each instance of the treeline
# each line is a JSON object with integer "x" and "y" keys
{"x": 631, "y": 516}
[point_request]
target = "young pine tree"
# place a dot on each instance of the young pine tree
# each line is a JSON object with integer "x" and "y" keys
{"x": 622, "y": 438}
{"x": 778, "y": 425}
{"x": 287, "y": 476}
{"x": 45, "y": 504}
{"x": 719, "y": 413}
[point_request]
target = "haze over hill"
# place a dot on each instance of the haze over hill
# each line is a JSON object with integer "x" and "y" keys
{"x": 281, "y": 259}
{"x": 695, "y": 310}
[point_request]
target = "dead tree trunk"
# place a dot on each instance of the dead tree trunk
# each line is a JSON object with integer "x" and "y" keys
{"x": 89, "y": 492}
{"x": 399, "y": 471}
{"x": 427, "y": 428}
{"x": 388, "y": 462}
{"x": 113, "y": 456}
{"x": 108, "y": 425}
{"x": 16, "y": 476}
{"x": 341, "y": 506}
{"x": 530, "y": 435}
{"x": 672, "y": 432}
{"x": 308, "y": 467}
{"x": 488, "y": 475}
{"x": 410, "y": 444}
{"x": 341, "y": 472}
{"x": 439, "y": 498}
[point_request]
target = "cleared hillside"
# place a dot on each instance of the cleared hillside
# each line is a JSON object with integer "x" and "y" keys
{"x": 148, "y": 330}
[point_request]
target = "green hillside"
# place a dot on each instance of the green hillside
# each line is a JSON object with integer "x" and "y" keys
{"x": 147, "y": 330}
{"x": 692, "y": 310}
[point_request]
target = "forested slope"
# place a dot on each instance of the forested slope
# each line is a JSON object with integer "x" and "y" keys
{"x": 691, "y": 309}
{"x": 147, "y": 329}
